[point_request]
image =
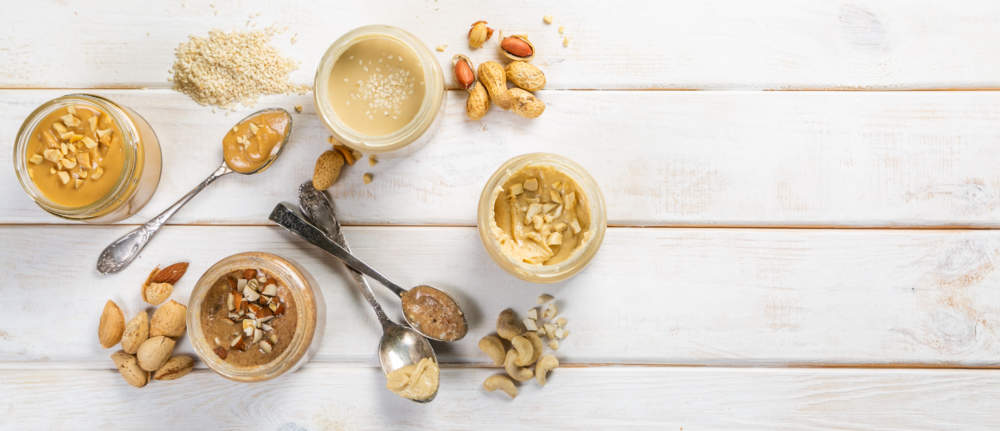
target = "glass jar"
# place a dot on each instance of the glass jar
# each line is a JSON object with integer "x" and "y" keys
{"x": 411, "y": 136}
{"x": 543, "y": 273}
{"x": 310, "y": 312}
{"x": 141, "y": 162}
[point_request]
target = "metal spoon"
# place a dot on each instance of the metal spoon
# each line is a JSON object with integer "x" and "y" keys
{"x": 120, "y": 253}
{"x": 400, "y": 346}
{"x": 318, "y": 208}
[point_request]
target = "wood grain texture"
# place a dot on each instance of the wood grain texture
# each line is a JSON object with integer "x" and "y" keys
{"x": 679, "y": 44}
{"x": 352, "y": 398}
{"x": 667, "y": 296}
{"x": 661, "y": 158}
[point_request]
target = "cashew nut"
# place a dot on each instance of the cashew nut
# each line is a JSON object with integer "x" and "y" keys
{"x": 525, "y": 350}
{"x": 493, "y": 346}
{"x": 515, "y": 372}
{"x": 501, "y": 382}
{"x": 508, "y": 326}
{"x": 545, "y": 364}
{"x": 536, "y": 345}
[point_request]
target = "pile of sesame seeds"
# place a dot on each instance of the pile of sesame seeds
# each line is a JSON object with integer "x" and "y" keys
{"x": 229, "y": 68}
{"x": 385, "y": 91}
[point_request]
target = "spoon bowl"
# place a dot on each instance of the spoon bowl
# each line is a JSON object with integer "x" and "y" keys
{"x": 401, "y": 346}
{"x": 276, "y": 150}
{"x": 416, "y": 326}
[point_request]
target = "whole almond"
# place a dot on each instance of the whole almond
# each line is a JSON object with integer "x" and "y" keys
{"x": 136, "y": 331}
{"x": 168, "y": 320}
{"x": 154, "y": 352}
{"x": 517, "y": 47}
{"x": 128, "y": 367}
{"x": 327, "y": 170}
{"x": 111, "y": 326}
{"x": 170, "y": 274}
{"x": 156, "y": 293}
{"x": 175, "y": 368}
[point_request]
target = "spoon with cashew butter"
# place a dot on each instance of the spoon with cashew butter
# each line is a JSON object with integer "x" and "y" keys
{"x": 248, "y": 148}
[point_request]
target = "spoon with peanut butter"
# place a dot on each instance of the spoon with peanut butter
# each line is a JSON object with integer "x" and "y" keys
{"x": 428, "y": 310}
{"x": 248, "y": 148}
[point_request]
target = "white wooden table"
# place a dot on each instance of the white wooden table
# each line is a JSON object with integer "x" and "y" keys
{"x": 808, "y": 243}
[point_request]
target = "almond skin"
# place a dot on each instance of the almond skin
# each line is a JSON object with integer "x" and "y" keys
{"x": 168, "y": 320}
{"x": 136, "y": 331}
{"x": 175, "y": 368}
{"x": 154, "y": 352}
{"x": 128, "y": 367}
{"x": 170, "y": 274}
{"x": 328, "y": 167}
{"x": 111, "y": 326}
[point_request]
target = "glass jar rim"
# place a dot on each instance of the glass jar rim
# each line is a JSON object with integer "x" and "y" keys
{"x": 299, "y": 283}
{"x": 429, "y": 108}
{"x": 580, "y": 257}
{"x": 130, "y": 143}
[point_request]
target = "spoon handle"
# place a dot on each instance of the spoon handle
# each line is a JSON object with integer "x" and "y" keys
{"x": 287, "y": 216}
{"x": 124, "y": 250}
{"x": 318, "y": 210}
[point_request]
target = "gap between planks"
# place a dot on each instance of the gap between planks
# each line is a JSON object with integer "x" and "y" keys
{"x": 612, "y": 226}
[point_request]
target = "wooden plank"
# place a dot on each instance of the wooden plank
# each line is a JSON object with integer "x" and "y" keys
{"x": 662, "y": 158}
{"x": 718, "y": 44}
{"x": 666, "y": 296}
{"x": 325, "y": 397}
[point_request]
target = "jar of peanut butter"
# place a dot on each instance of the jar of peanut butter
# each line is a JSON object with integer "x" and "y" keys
{"x": 83, "y": 157}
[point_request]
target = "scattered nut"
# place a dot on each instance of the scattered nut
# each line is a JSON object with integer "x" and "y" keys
{"x": 171, "y": 274}
{"x": 493, "y": 347}
{"x": 111, "y": 326}
{"x": 508, "y": 326}
{"x": 493, "y": 77}
{"x": 547, "y": 19}
{"x": 543, "y": 298}
{"x": 136, "y": 332}
{"x": 156, "y": 293}
{"x": 328, "y": 167}
{"x": 154, "y": 352}
{"x": 441, "y": 48}
{"x": 550, "y": 311}
{"x": 346, "y": 152}
{"x": 561, "y": 322}
{"x": 175, "y": 368}
{"x": 479, "y": 33}
{"x": 517, "y": 47}
{"x": 562, "y": 29}
{"x": 550, "y": 330}
{"x": 525, "y": 351}
{"x": 501, "y": 382}
{"x": 168, "y": 320}
{"x": 525, "y": 75}
{"x": 462, "y": 67}
{"x": 298, "y": 109}
{"x": 372, "y": 160}
{"x": 565, "y": 41}
{"x": 524, "y": 103}
{"x": 517, "y": 373}
{"x": 554, "y": 344}
{"x": 129, "y": 368}
{"x": 536, "y": 345}
{"x": 478, "y": 103}
{"x": 545, "y": 364}
{"x": 367, "y": 177}
{"x": 530, "y": 324}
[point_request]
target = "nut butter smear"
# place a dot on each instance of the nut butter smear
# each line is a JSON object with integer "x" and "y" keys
{"x": 433, "y": 313}
{"x": 249, "y": 145}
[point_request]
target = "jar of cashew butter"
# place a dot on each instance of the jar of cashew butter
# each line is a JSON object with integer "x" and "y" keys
{"x": 541, "y": 217}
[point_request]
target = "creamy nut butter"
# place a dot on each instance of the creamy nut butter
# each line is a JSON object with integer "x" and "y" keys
{"x": 415, "y": 381}
{"x": 376, "y": 86}
{"x": 248, "y": 146}
{"x": 540, "y": 216}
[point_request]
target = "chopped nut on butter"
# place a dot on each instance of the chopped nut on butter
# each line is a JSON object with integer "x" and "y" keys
{"x": 531, "y": 184}
{"x": 70, "y": 120}
{"x": 68, "y": 162}
{"x": 104, "y": 135}
{"x": 516, "y": 189}
{"x": 97, "y": 173}
{"x": 554, "y": 239}
{"x": 84, "y": 159}
{"x": 92, "y": 122}
{"x": 53, "y": 155}
{"x": 49, "y": 139}
{"x": 36, "y": 159}
{"x": 63, "y": 177}
{"x": 77, "y": 182}
{"x": 89, "y": 143}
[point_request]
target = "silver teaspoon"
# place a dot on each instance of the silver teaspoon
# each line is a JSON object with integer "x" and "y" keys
{"x": 124, "y": 250}
{"x": 319, "y": 210}
{"x": 399, "y": 346}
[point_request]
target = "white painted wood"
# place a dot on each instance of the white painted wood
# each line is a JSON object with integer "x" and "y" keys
{"x": 718, "y": 44}
{"x": 350, "y": 398}
{"x": 661, "y": 158}
{"x": 674, "y": 296}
